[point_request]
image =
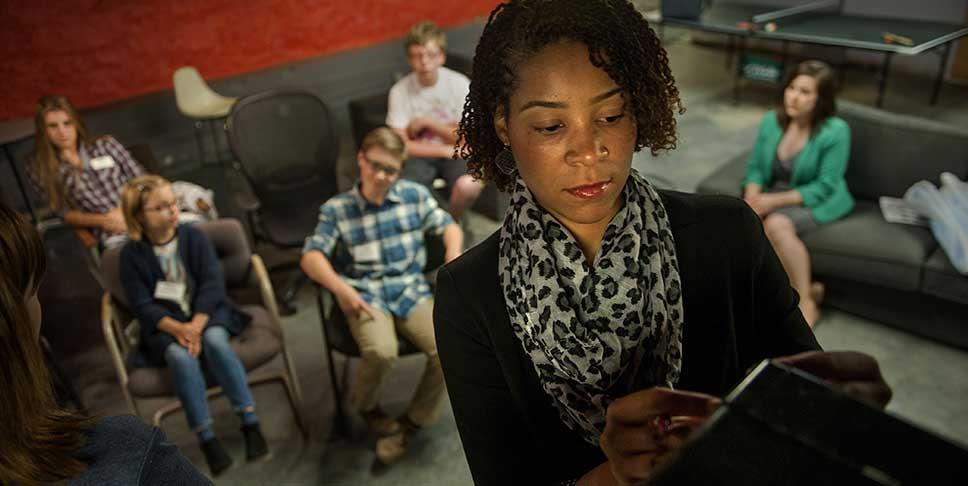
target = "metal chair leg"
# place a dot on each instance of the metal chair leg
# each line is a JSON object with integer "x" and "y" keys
{"x": 296, "y": 281}
{"x": 339, "y": 421}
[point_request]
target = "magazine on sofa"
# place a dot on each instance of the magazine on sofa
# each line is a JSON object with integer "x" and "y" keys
{"x": 896, "y": 210}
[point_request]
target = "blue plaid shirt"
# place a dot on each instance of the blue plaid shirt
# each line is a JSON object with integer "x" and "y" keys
{"x": 379, "y": 250}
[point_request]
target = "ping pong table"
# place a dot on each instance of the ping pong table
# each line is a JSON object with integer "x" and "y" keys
{"x": 823, "y": 23}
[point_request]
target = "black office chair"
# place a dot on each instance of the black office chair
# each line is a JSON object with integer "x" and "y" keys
{"x": 337, "y": 336}
{"x": 285, "y": 146}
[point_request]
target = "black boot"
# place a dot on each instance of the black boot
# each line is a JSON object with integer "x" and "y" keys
{"x": 218, "y": 460}
{"x": 255, "y": 443}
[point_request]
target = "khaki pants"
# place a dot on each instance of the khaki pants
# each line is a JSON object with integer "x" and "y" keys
{"x": 377, "y": 339}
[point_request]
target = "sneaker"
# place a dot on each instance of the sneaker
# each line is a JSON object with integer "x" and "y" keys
{"x": 391, "y": 448}
{"x": 379, "y": 423}
{"x": 255, "y": 443}
{"x": 218, "y": 460}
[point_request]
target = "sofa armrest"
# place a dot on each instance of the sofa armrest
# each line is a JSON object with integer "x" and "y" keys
{"x": 727, "y": 179}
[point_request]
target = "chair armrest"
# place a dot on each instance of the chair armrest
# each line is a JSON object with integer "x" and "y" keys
{"x": 269, "y": 300}
{"x": 247, "y": 201}
{"x": 85, "y": 235}
{"x": 265, "y": 289}
{"x": 115, "y": 343}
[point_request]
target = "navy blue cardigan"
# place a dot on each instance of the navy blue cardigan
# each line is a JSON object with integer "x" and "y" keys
{"x": 140, "y": 273}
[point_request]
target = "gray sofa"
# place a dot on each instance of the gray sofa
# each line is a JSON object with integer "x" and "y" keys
{"x": 892, "y": 273}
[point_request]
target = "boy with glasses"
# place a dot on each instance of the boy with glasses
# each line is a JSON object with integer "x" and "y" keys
{"x": 368, "y": 250}
{"x": 424, "y": 108}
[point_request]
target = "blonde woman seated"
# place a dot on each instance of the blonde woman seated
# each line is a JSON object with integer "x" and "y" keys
{"x": 795, "y": 177}
{"x": 171, "y": 275}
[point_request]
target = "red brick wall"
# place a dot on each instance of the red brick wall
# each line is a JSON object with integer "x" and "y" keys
{"x": 99, "y": 51}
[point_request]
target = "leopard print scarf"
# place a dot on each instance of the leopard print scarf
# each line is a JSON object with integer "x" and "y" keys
{"x": 594, "y": 333}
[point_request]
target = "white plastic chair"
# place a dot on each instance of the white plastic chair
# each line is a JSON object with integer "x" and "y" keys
{"x": 198, "y": 101}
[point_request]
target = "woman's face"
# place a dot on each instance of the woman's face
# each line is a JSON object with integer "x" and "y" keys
{"x": 160, "y": 211}
{"x": 800, "y": 97}
{"x": 61, "y": 129}
{"x": 570, "y": 133}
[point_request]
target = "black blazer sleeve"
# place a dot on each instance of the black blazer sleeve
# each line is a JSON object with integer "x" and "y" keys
{"x": 497, "y": 439}
{"x": 778, "y": 322}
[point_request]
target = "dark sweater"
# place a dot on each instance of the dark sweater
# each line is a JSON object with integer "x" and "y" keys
{"x": 141, "y": 272}
{"x": 739, "y": 308}
{"x": 123, "y": 451}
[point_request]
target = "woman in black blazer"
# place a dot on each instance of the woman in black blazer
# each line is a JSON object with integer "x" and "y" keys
{"x": 586, "y": 338}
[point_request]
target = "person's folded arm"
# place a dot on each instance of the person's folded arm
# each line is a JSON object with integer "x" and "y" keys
{"x": 446, "y": 131}
{"x": 425, "y": 149}
{"x": 88, "y": 220}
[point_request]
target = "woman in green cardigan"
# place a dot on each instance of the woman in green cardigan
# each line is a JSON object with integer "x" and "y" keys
{"x": 795, "y": 177}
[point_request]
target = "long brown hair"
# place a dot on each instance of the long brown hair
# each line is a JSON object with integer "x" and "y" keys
{"x": 826, "y": 106}
{"x": 44, "y": 160}
{"x": 39, "y": 439}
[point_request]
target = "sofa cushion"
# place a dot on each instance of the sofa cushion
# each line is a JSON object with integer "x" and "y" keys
{"x": 864, "y": 247}
{"x": 942, "y": 280}
{"x": 727, "y": 179}
{"x": 890, "y": 152}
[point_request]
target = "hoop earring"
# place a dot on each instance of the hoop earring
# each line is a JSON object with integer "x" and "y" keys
{"x": 505, "y": 161}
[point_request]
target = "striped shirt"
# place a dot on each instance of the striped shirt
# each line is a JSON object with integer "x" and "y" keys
{"x": 379, "y": 250}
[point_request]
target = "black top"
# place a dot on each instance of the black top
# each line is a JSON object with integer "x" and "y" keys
{"x": 738, "y": 305}
{"x": 122, "y": 450}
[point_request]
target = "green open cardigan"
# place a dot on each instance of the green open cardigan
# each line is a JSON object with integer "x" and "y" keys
{"x": 818, "y": 173}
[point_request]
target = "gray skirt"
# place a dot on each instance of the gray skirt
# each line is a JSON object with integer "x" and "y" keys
{"x": 801, "y": 216}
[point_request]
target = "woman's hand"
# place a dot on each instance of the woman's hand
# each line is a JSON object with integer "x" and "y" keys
{"x": 762, "y": 204}
{"x": 853, "y": 373}
{"x": 643, "y": 428}
{"x": 189, "y": 338}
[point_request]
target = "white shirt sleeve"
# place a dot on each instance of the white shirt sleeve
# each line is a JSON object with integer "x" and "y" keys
{"x": 398, "y": 107}
{"x": 462, "y": 86}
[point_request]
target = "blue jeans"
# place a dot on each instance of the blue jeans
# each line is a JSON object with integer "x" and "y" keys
{"x": 186, "y": 373}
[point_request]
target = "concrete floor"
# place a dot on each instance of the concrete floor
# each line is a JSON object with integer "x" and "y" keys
{"x": 931, "y": 388}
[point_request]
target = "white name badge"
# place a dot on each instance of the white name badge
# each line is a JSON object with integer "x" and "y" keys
{"x": 173, "y": 291}
{"x": 369, "y": 252}
{"x": 102, "y": 162}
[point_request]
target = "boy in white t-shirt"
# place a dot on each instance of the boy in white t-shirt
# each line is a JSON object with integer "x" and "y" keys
{"x": 424, "y": 109}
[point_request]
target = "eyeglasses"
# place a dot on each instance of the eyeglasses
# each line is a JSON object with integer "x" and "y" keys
{"x": 424, "y": 54}
{"x": 378, "y": 167}
{"x": 170, "y": 206}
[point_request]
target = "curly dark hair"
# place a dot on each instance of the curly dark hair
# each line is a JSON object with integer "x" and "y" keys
{"x": 619, "y": 41}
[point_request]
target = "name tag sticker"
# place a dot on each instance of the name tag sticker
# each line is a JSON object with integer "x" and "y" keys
{"x": 102, "y": 162}
{"x": 368, "y": 252}
{"x": 173, "y": 291}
